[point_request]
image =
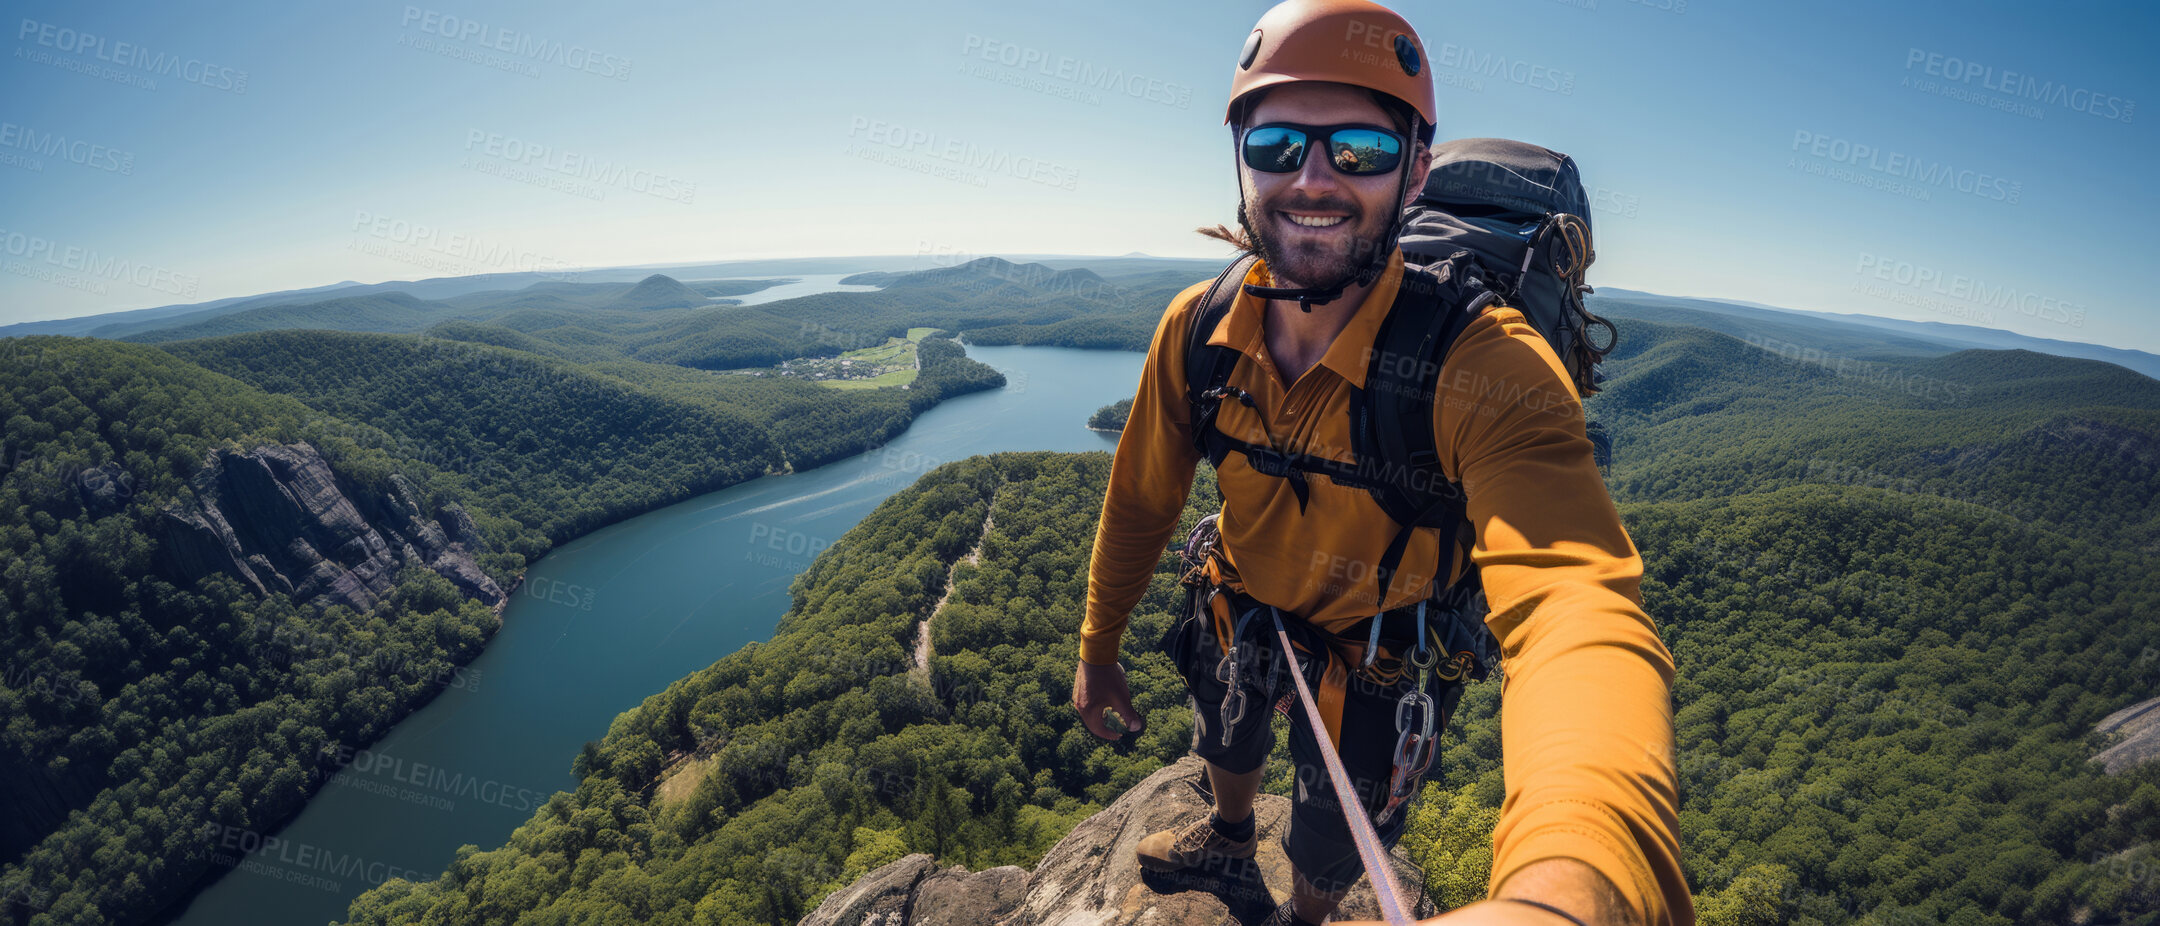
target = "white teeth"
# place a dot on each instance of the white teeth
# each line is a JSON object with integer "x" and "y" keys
{"x": 1314, "y": 221}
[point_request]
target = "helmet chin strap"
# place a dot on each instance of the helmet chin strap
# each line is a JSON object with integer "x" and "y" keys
{"x": 1309, "y": 296}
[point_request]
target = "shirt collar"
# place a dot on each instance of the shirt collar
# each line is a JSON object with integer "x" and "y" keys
{"x": 1348, "y": 356}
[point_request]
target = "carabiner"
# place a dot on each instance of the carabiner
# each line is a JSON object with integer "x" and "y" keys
{"x": 1424, "y": 702}
{"x": 1425, "y": 656}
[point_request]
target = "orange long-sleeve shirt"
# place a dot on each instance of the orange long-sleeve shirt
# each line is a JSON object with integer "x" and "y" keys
{"x": 1586, "y": 698}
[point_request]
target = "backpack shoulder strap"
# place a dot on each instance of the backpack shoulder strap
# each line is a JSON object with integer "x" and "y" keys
{"x": 1393, "y": 413}
{"x": 1207, "y": 367}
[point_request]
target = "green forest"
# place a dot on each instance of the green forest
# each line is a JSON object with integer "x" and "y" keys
{"x": 1902, "y": 583}
{"x": 1111, "y": 417}
{"x": 829, "y": 754}
{"x": 1897, "y": 613}
{"x": 148, "y": 715}
{"x": 143, "y": 717}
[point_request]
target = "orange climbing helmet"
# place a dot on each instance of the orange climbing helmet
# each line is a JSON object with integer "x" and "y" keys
{"x": 1355, "y": 42}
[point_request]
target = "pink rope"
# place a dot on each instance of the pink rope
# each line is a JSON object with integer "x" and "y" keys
{"x": 1361, "y": 831}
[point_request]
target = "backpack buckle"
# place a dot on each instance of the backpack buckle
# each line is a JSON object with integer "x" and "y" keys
{"x": 1269, "y": 462}
{"x": 1218, "y": 393}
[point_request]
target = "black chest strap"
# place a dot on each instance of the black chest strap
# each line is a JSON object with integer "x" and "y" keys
{"x": 1395, "y": 453}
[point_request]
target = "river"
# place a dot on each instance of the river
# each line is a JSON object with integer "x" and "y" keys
{"x": 612, "y": 617}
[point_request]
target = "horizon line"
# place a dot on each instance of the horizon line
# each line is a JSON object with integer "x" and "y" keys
{"x": 974, "y": 256}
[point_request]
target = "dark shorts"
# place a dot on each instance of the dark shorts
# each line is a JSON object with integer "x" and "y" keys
{"x": 1318, "y": 841}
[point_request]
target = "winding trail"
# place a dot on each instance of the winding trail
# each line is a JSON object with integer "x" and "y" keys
{"x": 974, "y": 556}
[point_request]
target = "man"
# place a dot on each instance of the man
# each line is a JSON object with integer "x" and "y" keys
{"x": 1588, "y": 827}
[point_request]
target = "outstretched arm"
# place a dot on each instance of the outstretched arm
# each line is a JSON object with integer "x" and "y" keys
{"x": 1586, "y": 709}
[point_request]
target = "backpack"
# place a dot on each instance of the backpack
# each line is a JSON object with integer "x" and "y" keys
{"x": 1497, "y": 221}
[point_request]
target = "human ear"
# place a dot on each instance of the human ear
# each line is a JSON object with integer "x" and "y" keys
{"x": 1420, "y": 165}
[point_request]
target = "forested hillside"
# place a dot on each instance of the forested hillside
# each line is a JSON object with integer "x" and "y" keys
{"x": 174, "y": 684}
{"x": 2071, "y": 444}
{"x": 557, "y": 447}
{"x": 145, "y": 719}
{"x": 825, "y": 752}
{"x": 1883, "y": 708}
{"x": 1899, "y": 598}
{"x": 661, "y": 320}
{"x": 386, "y": 308}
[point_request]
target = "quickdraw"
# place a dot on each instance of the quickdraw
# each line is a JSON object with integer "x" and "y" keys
{"x": 1415, "y": 743}
{"x": 1229, "y": 672}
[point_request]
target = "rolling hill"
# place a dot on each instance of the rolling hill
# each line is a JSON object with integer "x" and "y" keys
{"x": 1897, "y": 611}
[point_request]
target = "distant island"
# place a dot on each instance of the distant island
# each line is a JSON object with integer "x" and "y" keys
{"x": 1110, "y": 417}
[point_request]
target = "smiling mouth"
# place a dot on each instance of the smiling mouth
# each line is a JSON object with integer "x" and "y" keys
{"x": 1309, "y": 220}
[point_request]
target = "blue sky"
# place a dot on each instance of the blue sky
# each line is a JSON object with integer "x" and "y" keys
{"x": 1984, "y": 163}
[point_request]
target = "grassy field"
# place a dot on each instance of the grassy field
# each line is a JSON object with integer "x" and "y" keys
{"x": 889, "y": 378}
{"x": 894, "y": 360}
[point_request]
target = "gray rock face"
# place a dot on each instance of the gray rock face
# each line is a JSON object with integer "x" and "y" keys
{"x": 2140, "y": 726}
{"x": 913, "y": 890}
{"x": 1092, "y": 877}
{"x": 277, "y": 519}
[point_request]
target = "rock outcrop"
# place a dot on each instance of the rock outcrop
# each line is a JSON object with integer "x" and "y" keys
{"x": 2140, "y": 726}
{"x": 1091, "y": 876}
{"x": 278, "y": 519}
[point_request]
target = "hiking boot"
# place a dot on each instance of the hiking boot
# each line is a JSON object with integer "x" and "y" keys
{"x": 1197, "y": 843}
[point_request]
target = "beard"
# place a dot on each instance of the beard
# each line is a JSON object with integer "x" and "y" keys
{"x": 1310, "y": 262}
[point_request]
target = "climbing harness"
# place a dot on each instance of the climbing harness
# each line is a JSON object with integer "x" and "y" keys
{"x": 1440, "y": 650}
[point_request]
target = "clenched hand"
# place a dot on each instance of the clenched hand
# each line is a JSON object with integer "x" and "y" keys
{"x": 1096, "y": 688}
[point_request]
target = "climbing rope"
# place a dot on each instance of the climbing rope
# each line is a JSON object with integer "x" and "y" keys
{"x": 1385, "y": 890}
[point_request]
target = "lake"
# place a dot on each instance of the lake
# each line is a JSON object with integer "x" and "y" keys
{"x": 804, "y": 285}
{"x": 607, "y": 619}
